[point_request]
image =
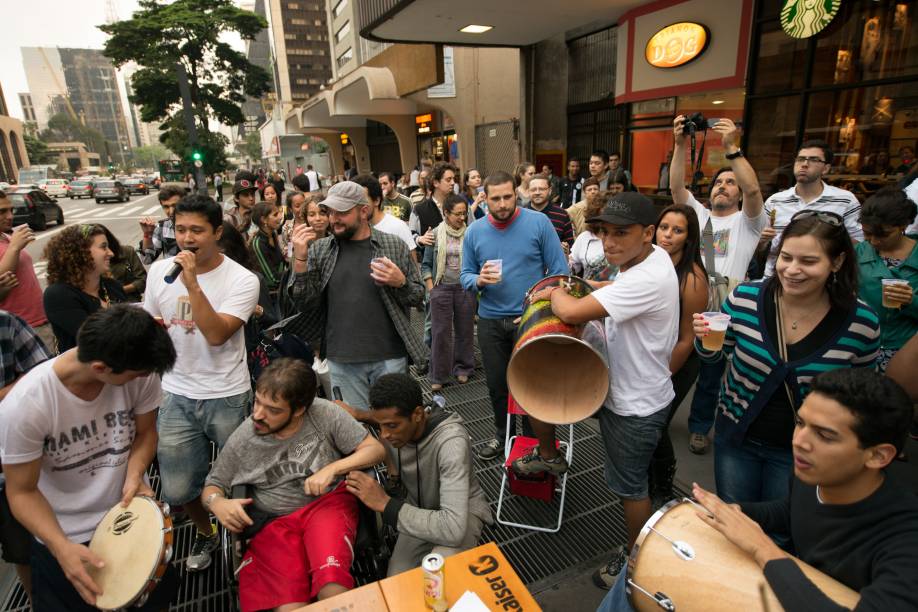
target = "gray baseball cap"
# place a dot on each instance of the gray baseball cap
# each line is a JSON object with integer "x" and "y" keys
{"x": 627, "y": 208}
{"x": 344, "y": 196}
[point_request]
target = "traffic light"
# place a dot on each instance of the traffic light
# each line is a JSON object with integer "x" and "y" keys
{"x": 196, "y": 156}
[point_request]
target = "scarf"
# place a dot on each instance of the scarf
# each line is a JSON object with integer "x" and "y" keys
{"x": 444, "y": 231}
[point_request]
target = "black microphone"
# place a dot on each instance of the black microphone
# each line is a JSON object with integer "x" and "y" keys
{"x": 177, "y": 268}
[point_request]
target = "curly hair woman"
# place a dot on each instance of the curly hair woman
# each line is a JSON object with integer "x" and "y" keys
{"x": 79, "y": 259}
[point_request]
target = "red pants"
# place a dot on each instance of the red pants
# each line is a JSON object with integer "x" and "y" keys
{"x": 298, "y": 554}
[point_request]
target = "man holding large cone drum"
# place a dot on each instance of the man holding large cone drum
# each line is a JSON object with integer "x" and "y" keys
{"x": 641, "y": 313}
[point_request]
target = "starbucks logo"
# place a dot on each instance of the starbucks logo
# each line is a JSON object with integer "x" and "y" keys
{"x": 804, "y": 18}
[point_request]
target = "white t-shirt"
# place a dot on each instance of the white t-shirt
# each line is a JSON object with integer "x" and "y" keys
{"x": 589, "y": 253}
{"x": 313, "y": 177}
{"x": 641, "y": 331}
{"x": 203, "y": 371}
{"x": 735, "y": 238}
{"x": 395, "y": 226}
{"x": 911, "y": 192}
{"x": 83, "y": 445}
{"x": 832, "y": 199}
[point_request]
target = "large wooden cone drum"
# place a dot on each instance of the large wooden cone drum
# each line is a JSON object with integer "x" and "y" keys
{"x": 558, "y": 373}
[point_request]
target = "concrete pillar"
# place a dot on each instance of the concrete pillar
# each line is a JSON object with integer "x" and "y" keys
{"x": 358, "y": 137}
{"x": 334, "y": 152}
{"x": 405, "y": 131}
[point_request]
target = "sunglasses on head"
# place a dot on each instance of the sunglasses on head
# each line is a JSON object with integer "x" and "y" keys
{"x": 833, "y": 219}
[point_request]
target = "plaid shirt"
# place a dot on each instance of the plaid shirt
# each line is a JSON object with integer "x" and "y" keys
{"x": 307, "y": 290}
{"x": 20, "y": 348}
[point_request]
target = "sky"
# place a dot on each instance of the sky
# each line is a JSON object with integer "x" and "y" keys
{"x": 53, "y": 23}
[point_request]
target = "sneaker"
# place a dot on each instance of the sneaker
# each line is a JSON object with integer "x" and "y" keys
{"x": 436, "y": 387}
{"x": 199, "y": 559}
{"x": 698, "y": 443}
{"x": 606, "y": 575}
{"x": 534, "y": 463}
{"x": 492, "y": 449}
{"x": 462, "y": 379}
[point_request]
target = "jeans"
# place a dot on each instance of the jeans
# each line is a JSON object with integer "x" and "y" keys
{"x": 496, "y": 338}
{"x": 630, "y": 442}
{"x": 355, "y": 379}
{"x": 707, "y": 391}
{"x": 452, "y": 315}
{"x": 616, "y": 600}
{"x": 751, "y": 471}
{"x": 186, "y": 428}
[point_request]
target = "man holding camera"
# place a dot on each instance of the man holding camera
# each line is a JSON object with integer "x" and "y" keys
{"x": 729, "y": 239}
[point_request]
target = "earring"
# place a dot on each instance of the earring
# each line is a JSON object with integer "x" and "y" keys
{"x": 834, "y": 278}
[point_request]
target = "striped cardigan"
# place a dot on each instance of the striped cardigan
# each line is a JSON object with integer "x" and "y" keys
{"x": 756, "y": 369}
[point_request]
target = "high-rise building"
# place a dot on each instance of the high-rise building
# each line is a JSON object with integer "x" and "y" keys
{"x": 258, "y": 52}
{"x": 80, "y": 82}
{"x": 28, "y": 109}
{"x": 348, "y": 48}
{"x": 142, "y": 134}
{"x": 299, "y": 39}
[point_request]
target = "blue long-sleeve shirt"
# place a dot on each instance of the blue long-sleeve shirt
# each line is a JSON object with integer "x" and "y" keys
{"x": 530, "y": 250}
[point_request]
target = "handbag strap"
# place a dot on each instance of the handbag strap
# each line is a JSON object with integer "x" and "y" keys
{"x": 782, "y": 348}
{"x": 707, "y": 242}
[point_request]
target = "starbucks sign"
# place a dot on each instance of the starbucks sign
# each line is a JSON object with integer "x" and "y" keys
{"x": 804, "y": 18}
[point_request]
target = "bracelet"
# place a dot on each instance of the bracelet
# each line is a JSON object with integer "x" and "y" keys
{"x": 734, "y": 155}
{"x": 210, "y": 499}
{"x": 303, "y": 260}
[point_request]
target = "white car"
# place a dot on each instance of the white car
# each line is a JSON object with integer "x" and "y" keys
{"x": 56, "y": 188}
{"x": 4, "y": 186}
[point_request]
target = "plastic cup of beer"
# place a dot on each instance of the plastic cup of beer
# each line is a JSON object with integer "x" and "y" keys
{"x": 889, "y": 302}
{"x": 717, "y": 329}
{"x": 497, "y": 266}
{"x": 378, "y": 263}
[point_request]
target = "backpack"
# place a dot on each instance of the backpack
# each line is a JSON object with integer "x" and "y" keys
{"x": 275, "y": 342}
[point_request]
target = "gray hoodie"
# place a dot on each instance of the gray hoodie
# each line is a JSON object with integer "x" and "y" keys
{"x": 440, "y": 482}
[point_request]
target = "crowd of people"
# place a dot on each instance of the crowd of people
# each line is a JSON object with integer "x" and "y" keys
{"x": 793, "y": 317}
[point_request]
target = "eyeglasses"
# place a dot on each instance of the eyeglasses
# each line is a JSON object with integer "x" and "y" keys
{"x": 813, "y": 160}
{"x": 833, "y": 219}
{"x": 457, "y": 214}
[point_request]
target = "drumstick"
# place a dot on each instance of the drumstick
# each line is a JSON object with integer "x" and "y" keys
{"x": 764, "y": 597}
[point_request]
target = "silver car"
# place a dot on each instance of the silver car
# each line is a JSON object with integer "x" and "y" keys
{"x": 105, "y": 191}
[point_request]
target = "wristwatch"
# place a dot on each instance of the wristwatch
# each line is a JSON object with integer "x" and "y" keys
{"x": 734, "y": 155}
{"x": 210, "y": 499}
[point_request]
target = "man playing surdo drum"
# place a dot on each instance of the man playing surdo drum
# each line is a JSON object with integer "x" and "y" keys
{"x": 845, "y": 516}
{"x": 77, "y": 434}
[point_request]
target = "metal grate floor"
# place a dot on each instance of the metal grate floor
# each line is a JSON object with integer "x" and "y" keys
{"x": 593, "y": 522}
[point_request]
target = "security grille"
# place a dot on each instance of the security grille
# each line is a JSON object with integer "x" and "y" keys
{"x": 497, "y": 146}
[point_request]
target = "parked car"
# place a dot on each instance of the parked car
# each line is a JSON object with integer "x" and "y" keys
{"x": 56, "y": 188}
{"x": 81, "y": 189}
{"x": 110, "y": 190}
{"x": 36, "y": 208}
{"x": 4, "y": 186}
{"x": 24, "y": 187}
{"x": 136, "y": 185}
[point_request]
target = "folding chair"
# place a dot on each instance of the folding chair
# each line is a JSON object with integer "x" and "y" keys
{"x": 544, "y": 489}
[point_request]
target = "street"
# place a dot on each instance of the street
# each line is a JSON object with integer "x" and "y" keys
{"x": 120, "y": 218}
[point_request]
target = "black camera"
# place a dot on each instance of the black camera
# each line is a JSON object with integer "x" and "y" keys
{"x": 696, "y": 123}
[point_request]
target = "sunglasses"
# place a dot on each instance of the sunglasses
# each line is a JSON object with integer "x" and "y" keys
{"x": 833, "y": 219}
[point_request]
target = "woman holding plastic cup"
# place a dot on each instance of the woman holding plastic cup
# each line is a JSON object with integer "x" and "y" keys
{"x": 780, "y": 333}
{"x": 888, "y": 265}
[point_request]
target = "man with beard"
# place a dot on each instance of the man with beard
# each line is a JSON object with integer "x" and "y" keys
{"x": 293, "y": 452}
{"x": 394, "y": 203}
{"x": 729, "y": 238}
{"x": 539, "y": 193}
{"x": 354, "y": 290}
{"x": 503, "y": 255}
{"x": 813, "y": 162}
{"x": 571, "y": 186}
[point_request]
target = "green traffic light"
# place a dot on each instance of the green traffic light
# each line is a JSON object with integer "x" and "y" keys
{"x": 196, "y": 155}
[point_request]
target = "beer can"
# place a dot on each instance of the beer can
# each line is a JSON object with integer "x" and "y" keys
{"x": 434, "y": 586}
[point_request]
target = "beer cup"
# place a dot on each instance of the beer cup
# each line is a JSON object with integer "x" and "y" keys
{"x": 888, "y": 301}
{"x": 497, "y": 265}
{"x": 717, "y": 329}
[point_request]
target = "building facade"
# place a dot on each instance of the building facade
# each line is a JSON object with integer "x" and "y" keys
{"x": 13, "y": 155}
{"x": 299, "y": 42}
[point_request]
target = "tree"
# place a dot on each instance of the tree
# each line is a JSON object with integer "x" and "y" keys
{"x": 251, "y": 148}
{"x": 164, "y": 33}
{"x": 64, "y": 128}
{"x": 36, "y": 149}
{"x": 150, "y": 155}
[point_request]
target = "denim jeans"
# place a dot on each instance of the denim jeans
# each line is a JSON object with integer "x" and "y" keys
{"x": 630, "y": 442}
{"x": 186, "y": 427}
{"x": 751, "y": 471}
{"x": 355, "y": 379}
{"x": 496, "y": 338}
{"x": 707, "y": 391}
{"x": 452, "y": 315}
{"x": 616, "y": 600}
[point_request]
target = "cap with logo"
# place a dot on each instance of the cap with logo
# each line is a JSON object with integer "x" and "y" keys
{"x": 344, "y": 196}
{"x": 627, "y": 208}
{"x": 245, "y": 181}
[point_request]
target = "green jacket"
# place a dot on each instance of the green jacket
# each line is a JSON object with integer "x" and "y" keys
{"x": 897, "y": 326}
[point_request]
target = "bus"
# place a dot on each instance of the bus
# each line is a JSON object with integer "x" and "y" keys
{"x": 38, "y": 174}
{"x": 173, "y": 170}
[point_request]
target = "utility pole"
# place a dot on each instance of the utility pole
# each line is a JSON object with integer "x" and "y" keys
{"x": 188, "y": 111}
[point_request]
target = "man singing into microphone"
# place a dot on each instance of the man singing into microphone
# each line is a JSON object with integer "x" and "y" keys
{"x": 207, "y": 393}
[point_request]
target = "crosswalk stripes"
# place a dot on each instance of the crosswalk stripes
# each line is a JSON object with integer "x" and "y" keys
{"x": 152, "y": 210}
{"x": 79, "y": 214}
{"x": 128, "y": 212}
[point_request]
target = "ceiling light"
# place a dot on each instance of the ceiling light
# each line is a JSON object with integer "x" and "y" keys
{"x": 717, "y": 101}
{"x": 476, "y": 29}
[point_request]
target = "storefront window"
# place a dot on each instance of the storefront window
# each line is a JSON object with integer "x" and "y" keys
{"x": 866, "y": 128}
{"x": 780, "y": 61}
{"x": 772, "y": 138}
{"x": 876, "y": 40}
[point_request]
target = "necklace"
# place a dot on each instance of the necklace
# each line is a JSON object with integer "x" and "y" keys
{"x": 818, "y": 496}
{"x": 795, "y": 322}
